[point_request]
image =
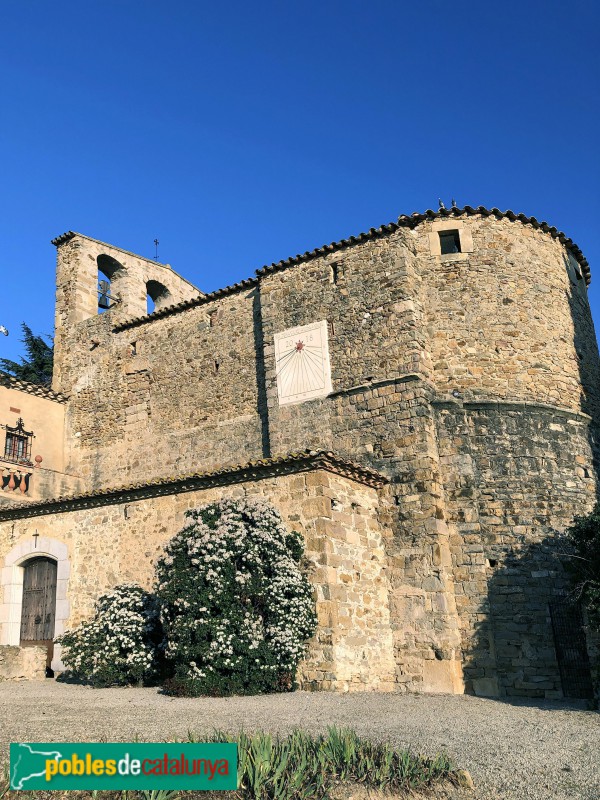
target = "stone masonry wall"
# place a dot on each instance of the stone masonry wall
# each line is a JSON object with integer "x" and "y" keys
{"x": 174, "y": 396}
{"x": 392, "y": 427}
{"x": 379, "y": 412}
{"x": 79, "y": 259}
{"x": 514, "y": 475}
{"x": 120, "y": 542}
{"x": 22, "y": 663}
{"x": 411, "y": 333}
{"x": 510, "y": 319}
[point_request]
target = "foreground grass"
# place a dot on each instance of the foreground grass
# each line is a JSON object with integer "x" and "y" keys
{"x": 296, "y": 767}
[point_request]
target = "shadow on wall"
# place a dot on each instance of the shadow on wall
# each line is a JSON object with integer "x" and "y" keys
{"x": 261, "y": 381}
{"x": 531, "y": 639}
{"x": 588, "y": 359}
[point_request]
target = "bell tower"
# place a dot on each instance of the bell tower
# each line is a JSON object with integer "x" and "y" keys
{"x": 99, "y": 286}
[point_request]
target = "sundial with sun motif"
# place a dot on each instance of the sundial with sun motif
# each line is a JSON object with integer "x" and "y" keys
{"x": 302, "y": 363}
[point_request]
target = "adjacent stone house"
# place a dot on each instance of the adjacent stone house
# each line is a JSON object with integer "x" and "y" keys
{"x": 419, "y": 401}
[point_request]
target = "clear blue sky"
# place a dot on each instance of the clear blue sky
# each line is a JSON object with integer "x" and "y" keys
{"x": 241, "y": 133}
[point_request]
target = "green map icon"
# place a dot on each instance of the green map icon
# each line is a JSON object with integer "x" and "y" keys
{"x": 27, "y": 763}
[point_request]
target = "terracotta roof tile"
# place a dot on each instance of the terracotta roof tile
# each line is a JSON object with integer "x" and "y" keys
{"x": 279, "y": 465}
{"x": 64, "y": 237}
{"x": 31, "y": 388}
{"x": 413, "y": 220}
{"x": 410, "y": 220}
{"x": 185, "y": 304}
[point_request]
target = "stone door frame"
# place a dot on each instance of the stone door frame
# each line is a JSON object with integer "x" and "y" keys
{"x": 11, "y": 579}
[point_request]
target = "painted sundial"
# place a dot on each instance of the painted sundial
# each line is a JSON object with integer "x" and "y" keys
{"x": 302, "y": 363}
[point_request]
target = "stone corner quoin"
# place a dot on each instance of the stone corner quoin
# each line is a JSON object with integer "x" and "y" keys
{"x": 404, "y": 398}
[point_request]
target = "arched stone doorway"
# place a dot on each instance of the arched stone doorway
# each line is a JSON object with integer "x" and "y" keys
{"x": 13, "y": 585}
{"x": 38, "y": 609}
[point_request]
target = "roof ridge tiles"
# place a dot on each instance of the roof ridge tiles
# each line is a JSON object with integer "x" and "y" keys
{"x": 415, "y": 218}
{"x": 404, "y": 220}
{"x": 184, "y": 305}
{"x": 10, "y": 382}
{"x": 316, "y": 459}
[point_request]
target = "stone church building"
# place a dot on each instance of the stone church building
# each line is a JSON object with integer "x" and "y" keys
{"x": 419, "y": 401}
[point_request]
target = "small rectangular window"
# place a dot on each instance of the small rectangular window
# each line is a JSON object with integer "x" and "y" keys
{"x": 449, "y": 242}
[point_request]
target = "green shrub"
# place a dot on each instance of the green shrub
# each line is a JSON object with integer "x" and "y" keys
{"x": 237, "y": 609}
{"x": 584, "y": 562}
{"x": 120, "y": 644}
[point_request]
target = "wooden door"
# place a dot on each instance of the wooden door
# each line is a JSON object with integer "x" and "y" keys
{"x": 39, "y": 604}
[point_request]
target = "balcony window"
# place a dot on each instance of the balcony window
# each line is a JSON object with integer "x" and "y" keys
{"x": 17, "y": 445}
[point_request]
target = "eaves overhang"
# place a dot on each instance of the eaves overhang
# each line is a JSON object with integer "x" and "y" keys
{"x": 298, "y": 462}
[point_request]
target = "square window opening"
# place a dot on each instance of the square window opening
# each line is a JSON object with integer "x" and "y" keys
{"x": 449, "y": 242}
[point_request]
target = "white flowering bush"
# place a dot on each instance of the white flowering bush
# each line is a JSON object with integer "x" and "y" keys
{"x": 120, "y": 644}
{"x": 236, "y": 606}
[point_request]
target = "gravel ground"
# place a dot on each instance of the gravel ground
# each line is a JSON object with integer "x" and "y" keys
{"x": 513, "y": 751}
